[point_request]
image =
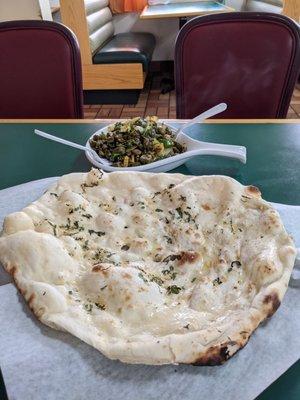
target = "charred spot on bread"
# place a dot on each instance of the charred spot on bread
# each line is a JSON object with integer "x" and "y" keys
{"x": 273, "y": 303}
{"x": 215, "y": 355}
{"x": 253, "y": 190}
{"x": 188, "y": 257}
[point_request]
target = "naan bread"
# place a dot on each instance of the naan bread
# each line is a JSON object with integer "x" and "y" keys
{"x": 151, "y": 268}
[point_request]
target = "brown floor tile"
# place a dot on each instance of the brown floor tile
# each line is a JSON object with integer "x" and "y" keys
{"x": 152, "y": 102}
{"x": 90, "y": 115}
{"x": 115, "y": 112}
{"x": 103, "y": 113}
{"x": 165, "y": 97}
{"x": 95, "y": 106}
{"x": 162, "y": 110}
{"x": 137, "y": 110}
{"x": 150, "y": 111}
{"x": 296, "y": 108}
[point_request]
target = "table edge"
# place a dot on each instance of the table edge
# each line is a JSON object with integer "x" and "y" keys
{"x": 111, "y": 120}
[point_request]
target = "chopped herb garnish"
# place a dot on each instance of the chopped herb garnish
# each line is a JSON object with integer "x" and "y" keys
{"x": 157, "y": 280}
{"x": 125, "y": 247}
{"x": 234, "y": 264}
{"x": 193, "y": 280}
{"x": 158, "y": 210}
{"x": 86, "y": 185}
{"x": 155, "y": 194}
{"x": 88, "y": 216}
{"x": 173, "y": 289}
{"x": 72, "y": 210}
{"x": 172, "y": 257}
{"x": 54, "y": 194}
{"x": 179, "y": 211}
{"x": 70, "y": 292}
{"x": 88, "y": 307}
{"x": 168, "y": 271}
{"x": 100, "y": 306}
{"x": 98, "y": 233}
{"x": 71, "y": 227}
{"x": 53, "y": 227}
{"x": 168, "y": 239}
{"x": 171, "y": 186}
{"x": 85, "y": 245}
{"x": 217, "y": 281}
{"x": 114, "y": 198}
{"x": 140, "y": 275}
{"x": 183, "y": 198}
{"x": 103, "y": 287}
{"x": 187, "y": 326}
{"x": 102, "y": 255}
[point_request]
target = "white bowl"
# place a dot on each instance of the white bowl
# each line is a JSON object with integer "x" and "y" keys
{"x": 194, "y": 148}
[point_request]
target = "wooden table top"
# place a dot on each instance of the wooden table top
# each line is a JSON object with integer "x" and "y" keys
{"x": 190, "y": 9}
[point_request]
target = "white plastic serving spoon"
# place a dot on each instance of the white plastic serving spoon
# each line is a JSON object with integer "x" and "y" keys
{"x": 104, "y": 161}
{"x": 194, "y": 147}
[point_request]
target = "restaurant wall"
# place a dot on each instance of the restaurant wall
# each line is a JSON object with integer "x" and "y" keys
{"x": 164, "y": 30}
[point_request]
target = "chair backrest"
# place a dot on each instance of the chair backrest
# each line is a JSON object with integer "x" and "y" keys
{"x": 40, "y": 71}
{"x": 251, "y": 61}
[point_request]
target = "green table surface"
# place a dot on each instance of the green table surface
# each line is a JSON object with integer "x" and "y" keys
{"x": 273, "y": 165}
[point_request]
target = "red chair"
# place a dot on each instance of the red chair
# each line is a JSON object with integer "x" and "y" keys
{"x": 40, "y": 71}
{"x": 251, "y": 61}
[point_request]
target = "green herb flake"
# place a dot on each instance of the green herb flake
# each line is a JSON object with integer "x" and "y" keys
{"x": 88, "y": 216}
{"x": 98, "y": 233}
{"x": 168, "y": 239}
{"x": 54, "y": 227}
{"x": 54, "y": 194}
{"x": 234, "y": 264}
{"x": 179, "y": 212}
{"x": 193, "y": 280}
{"x": 157, "y": 280}
{"x": 217, "y": 281}
{"x": 100, "y": 306}
{"x": 88, "y": 307}
{"x": 85, "y": 245}
{"x": 141, "y": 276}
{"x": 174, "y": 289}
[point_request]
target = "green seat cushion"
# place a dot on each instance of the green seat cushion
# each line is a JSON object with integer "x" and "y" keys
{"x": 129, "y": 47}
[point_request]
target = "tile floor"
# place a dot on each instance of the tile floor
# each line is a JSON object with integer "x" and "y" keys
{"x": 152, "y": 102}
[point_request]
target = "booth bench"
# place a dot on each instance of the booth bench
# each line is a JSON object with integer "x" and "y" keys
{"x": 109, "y": 60}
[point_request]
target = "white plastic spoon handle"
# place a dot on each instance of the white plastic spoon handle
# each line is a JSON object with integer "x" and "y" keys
{"x": 225, "y": 150}
{"x": 60, "y": 140}
{"x": 206, "y": 114}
